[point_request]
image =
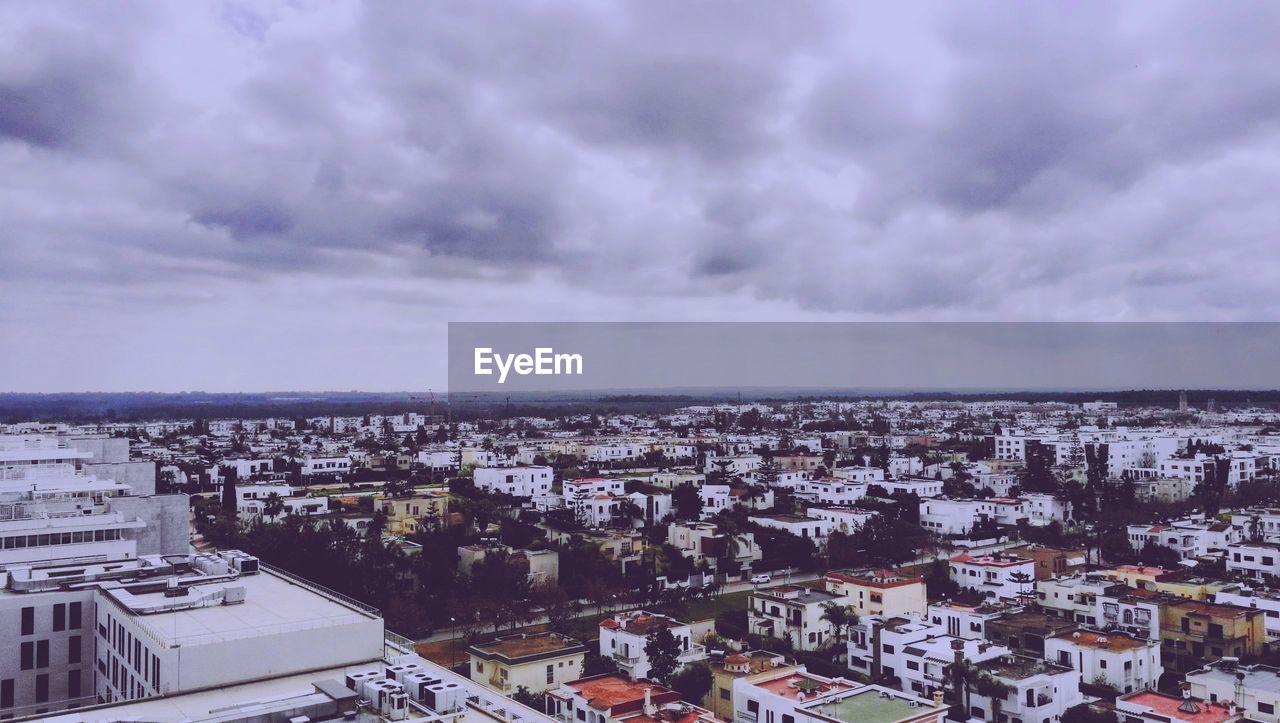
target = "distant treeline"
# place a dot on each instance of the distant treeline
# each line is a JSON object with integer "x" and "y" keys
{"x": 140, "y": 406}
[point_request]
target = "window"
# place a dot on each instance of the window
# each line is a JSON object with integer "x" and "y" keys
{"x": 59, "y": 617}
{"x": 75, "y": 614}
{"x": 1266, "y": 708}
{"x": 551, "y": 673}
{"x": 73, "y": 649}
{"x": 42, "y": 653}
{"x": 6, "y": 693}
{"x": 73, "y": 684}
{"x": 28, "y": 655}
{"x": 42, "y": 688}
{"x": 724, "y": 693}
{"x": 28, "y": 621}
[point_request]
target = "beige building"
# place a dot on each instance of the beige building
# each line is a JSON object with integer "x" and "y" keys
{"x": 538, "y": 662}
{"x": 879, "y": 592}
{"x": 427, "y": 509}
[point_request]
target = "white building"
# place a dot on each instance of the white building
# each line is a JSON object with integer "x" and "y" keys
{"x": 808, "y": 528}
{"x": 514, "y": 481}
{"x": 623, "y": 637}
{"x": 326, "y": 465}
{"x": 1040, "y": 690}
{"x": 1251, "y": 687}
{"x": 843, "y": 519}
{"x": 1005, "y": 577}
{"x": 1042, "y": 508}
{"x": 1258, "y": 560}
{"x": 1108, "y": 658}
{"x": 1191, "y": 537}
{"x": 791, "y": 611}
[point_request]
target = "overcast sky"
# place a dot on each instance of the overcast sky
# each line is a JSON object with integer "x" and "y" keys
{"x": 253, "y": 196}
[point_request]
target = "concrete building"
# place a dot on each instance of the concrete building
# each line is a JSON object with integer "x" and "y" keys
{"x": 536, "y": 662}
{"x": 623, "y": 637}
{"x": 878, "y": 591}
{"x": 514, "y": 481}
{"x": 792, "y": 611}
{"x": 1123, "y": 662}
{"x": 614, "y": 698}
{"x": 1195, "y": 633}
{"x": 1004, "y": 577}
{"x": 1253, "y": 690}
{"x": 1040, "y": 690}
{"x": 1148, "y": 706}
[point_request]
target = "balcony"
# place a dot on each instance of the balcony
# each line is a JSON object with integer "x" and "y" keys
{"x": 695, "y": 652}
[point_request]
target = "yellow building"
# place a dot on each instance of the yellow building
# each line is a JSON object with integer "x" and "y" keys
{"x": 426, "y": 509}
{"x": 719, "y": 700}
{"x": 538, "y": 662}
{"x": 1198, "y": 588}
{"x": 1139, "y": 576}
{"x": 879, "y": 592}
{"x": 1195, "y": 633}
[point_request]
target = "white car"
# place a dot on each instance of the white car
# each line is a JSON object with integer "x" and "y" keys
{"x": 761, "y": 579}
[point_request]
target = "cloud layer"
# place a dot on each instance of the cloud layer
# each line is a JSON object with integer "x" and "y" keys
{"x": 249, "y": 196}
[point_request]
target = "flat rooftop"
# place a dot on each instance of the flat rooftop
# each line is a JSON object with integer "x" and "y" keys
{"x": 520, "y": 647}
{"x": 868, "y": 706}
{"x": 272, "y": 604}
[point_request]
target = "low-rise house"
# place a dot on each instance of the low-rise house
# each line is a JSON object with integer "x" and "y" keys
{"x": 1026, "y": 631}
{"x": 948, "y": 516}
{"x": 1042, "y": 508}
{"x": 1051, "y": 561}
{"x": 1148, "y": 706}
{"x": 613, "y": 698}
{"x": 1131, "y": 611}
{"x": 541, "y": 567}
{"x": 773, "y": 694}
{"x": 1074, "y": 597}
{"x": 623, "y": 637}
{"x": 878, "y": 591}
{"x": 806, "y": 527}
{"x": 1191, "y": 537}
{"x": 530, "y": 481}
{"x": 326, "y": 465}
{"x": 967, "y": 621}
{"x": 727, "y": 668}
{"x": 914, "y": 653}
{"x": 846, "y": 520}
{"x": 537, "y": 662}
{"x": 791, "y": 611}
{"x": 1258, "y": 560}
{"x": 1037, "y": 690}
{"x": 1252, "y": 689}
{"x": 1195, "y": 633}
{"x": 423, "y": 510}
{"x": 1005, "y": 577}
{"x": 702, "y": 541}
{"x": 1265, "y": 600}
{"x": 1114, "y": 659}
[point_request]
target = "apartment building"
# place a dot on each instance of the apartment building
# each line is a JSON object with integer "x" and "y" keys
{"x": 316, "y": 465}
{"x": 946, "y": 516}
{"x": 725, "y": 670}
{"x": 846, "y": 520}
{"x": 1132, "y": 611}
{"x": 1268, "y": 601}
{"x": 536, "y": 662}
{"x": 702, "y": 541}
{"x": 623, "y": 637}
{"x": 1051, "y": 561}
{"x": 966, "y": 621}
{"x": 1074, "y": 597}
{"x": 878, "y": 591}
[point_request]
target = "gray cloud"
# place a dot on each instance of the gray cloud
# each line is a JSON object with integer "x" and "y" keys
{"x": 650, "y": 160}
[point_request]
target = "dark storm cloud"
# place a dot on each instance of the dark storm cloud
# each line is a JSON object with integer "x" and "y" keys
{"x": 802, "y": 160}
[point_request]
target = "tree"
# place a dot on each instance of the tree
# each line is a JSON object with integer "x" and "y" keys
{"x": 687, "y": 502}
{"x": 273, "y": 505}
{"x": 230, "y": 500}
{"x": 840, "y": 617}
{"x": 663, "y": 651}
{"x": 1022, "y": 580}
{"x": 693, "y": 683}
{"x": 524, "y": 696}
{"x": 995, "y": 689}
{"x": 1085, "y": 713}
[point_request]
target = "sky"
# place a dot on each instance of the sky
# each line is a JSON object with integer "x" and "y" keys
{"x": 300, "y": 195}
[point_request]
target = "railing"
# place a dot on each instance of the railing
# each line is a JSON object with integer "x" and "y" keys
{"x": 320, "y": 589}
{"x": 396, "y": 644}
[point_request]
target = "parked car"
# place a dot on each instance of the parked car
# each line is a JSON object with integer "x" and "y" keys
{"x": 761, "y": 579}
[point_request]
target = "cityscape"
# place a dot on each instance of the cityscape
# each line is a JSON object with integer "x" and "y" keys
{"x": 824, "y": 560}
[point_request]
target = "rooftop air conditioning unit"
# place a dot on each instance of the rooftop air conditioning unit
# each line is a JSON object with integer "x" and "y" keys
{"x": 233, "y": 595}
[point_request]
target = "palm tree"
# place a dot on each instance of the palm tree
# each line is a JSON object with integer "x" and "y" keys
{"x": 273, "y": 505}
{"x": 962, "y": 673}
{"x": 995, "y": 689}
{"x": 840, "y": 617}
{"x": 1022, "y": 580}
